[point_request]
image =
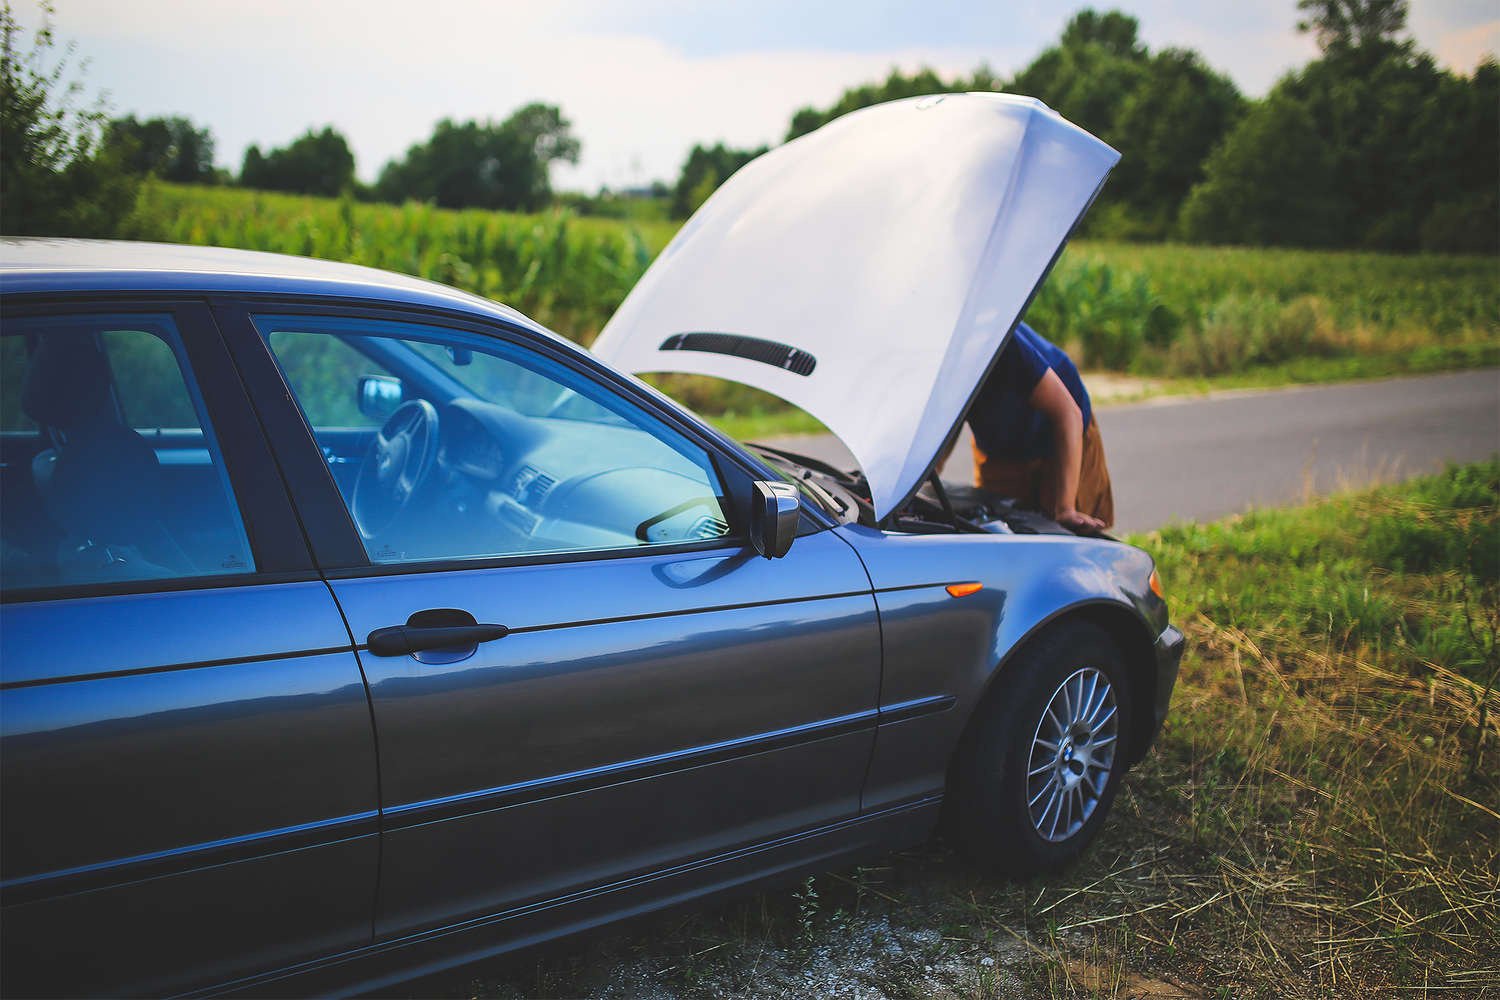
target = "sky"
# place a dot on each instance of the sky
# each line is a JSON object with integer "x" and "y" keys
{"x": 641, "y": 81}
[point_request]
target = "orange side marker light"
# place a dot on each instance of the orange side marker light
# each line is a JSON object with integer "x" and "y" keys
{"x": 963, "y": 589}
{"x": 1155, "y": 582}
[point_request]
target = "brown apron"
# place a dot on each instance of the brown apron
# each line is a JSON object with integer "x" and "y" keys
{"x": 1030, "y": 481}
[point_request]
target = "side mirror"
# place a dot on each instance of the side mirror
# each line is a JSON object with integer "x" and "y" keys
{"x": 379, "y": 395}
{"x": 775, "y": 513}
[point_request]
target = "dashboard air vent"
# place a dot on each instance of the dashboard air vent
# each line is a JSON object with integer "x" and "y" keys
{"x": 707, "y": 527}
{"x": 531, "y": 486}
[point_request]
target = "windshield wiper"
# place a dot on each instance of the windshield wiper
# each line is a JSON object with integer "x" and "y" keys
{"x": 830, "y": 502}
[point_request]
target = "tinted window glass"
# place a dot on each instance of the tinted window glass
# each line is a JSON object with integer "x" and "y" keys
{"x": 325, "y": 373}
{"x": 148, "y": 383}
{"x": 13, "y": 364}
{"x": 111, "y": 472}
{"x": 494, "y": 451}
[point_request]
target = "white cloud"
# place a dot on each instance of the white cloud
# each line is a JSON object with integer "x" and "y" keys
{"x": 1460, "y": 33}
{"x": 1463, "y": 49}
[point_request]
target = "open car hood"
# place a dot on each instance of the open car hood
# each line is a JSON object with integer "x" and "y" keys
{"x": 869, "y": 272}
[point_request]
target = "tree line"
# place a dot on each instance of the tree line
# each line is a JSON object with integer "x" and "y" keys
{"x": 468, "y": 164}
{"x": 1371, "y": 145}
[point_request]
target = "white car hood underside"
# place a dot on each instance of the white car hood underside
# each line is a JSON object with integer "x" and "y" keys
{"x": 894, "y": 248}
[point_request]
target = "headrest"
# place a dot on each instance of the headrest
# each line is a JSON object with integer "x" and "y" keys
{"x": 67, "y": 380}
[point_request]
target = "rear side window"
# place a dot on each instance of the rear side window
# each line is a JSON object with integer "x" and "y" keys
{"x": 109, "y": 468}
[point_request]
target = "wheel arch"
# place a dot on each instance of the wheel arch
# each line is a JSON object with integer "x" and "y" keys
{"x": 1137, "y": 645}
{"x": 1132, "y": 637}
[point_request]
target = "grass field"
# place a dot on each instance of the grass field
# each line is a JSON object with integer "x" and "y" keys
{"x": 1314, "y": 821}
{"x": 1194, "y": 317}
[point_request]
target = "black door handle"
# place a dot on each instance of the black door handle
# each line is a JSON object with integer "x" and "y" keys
{"x": 403, "y": 640}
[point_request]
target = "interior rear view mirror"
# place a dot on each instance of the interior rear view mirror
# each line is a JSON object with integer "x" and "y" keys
{"x": 379, "y": 395}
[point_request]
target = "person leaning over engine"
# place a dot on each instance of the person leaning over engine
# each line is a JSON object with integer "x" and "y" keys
{"x": 1036, "y": 438}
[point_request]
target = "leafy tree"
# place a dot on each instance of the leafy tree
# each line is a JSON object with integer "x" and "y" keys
{"x": 171, "y": 148}
{"x": 1090, "y": 74}
{"x": 1352, "y": 23}
{"x": 1164, "y": 112}
{"x": 1464, "y": 158}
{"x": 1406, "y": 153}
{"x": 705, "y": 169}
{"x": 543, "y": 130}
{"x": 1167, "y": 126}
{"x": 1273, "y": 181}
{"x": 485, "y": 165}
{"x": 56, "y": 178}
{"x": 317, "y": 163}
{"x": 1113, "y": 31}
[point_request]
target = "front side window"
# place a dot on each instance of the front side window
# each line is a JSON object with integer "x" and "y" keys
{"x": 471, "y": 447}
{"x": 111, "y": 472}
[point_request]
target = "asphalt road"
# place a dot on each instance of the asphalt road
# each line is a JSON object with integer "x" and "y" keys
{"x": 1197, "y": 458}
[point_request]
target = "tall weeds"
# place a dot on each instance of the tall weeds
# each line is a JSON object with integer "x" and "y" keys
{"x": 1335, "y": 700}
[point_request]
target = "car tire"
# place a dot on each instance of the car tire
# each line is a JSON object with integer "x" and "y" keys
{"x": 1030, "y": 793}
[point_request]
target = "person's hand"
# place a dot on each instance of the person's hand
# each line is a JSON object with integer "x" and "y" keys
{"x": 1078, "y": 522}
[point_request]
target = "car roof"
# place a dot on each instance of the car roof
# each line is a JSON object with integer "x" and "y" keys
{"x": 44, "y": 265}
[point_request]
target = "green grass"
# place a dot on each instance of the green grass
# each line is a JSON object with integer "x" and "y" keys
{"x": 1216, "y": 317}
{"x": 1307, "y": 826}
{"x": 1385, "y": 573}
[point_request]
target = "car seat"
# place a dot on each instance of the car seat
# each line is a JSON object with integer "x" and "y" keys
{"x": 100, "y": 481}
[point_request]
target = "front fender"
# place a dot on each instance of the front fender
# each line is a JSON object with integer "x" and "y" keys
{"x": 942, "y": 653}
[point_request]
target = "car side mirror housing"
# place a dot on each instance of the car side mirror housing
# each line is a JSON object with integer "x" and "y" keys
{"x": 775, "y": 514}
{"x": 379, "y": 395}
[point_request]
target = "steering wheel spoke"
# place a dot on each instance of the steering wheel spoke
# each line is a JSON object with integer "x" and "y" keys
{"x": 398, "y": 464}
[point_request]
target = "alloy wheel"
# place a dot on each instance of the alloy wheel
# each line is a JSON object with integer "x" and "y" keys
{"x": 1072, "y": 754}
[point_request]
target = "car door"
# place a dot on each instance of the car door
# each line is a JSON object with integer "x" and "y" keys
{"x": 638, "y": 688}
{"x": 186, "y": 755}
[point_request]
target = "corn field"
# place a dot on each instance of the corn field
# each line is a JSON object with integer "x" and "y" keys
{"x": 1156, "y": 309}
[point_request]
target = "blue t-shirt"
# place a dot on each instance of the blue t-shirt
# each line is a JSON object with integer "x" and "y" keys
{"x": 1004, "y": 423}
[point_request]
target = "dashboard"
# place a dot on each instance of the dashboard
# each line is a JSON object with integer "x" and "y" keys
{"x": 506, "y": 483}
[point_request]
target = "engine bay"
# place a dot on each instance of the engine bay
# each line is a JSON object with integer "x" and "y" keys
{"x": 936, "y": 508}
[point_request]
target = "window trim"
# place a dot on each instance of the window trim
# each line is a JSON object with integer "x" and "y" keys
{"x": 330, "y": 527}
{"x": 258, "y": 495}
{"x": 168, "y": 585}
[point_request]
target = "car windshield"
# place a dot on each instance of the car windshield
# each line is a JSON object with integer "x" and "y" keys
{"x": 490, "y": 377}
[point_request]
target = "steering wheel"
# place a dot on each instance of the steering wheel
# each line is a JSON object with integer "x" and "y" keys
{"x": 396, "y": 467}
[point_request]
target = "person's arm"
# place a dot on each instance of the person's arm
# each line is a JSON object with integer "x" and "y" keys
{"x": 1052, "y": 398}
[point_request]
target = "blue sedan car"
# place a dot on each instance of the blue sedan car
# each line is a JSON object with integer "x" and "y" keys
{"x": 355, "y": 628}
